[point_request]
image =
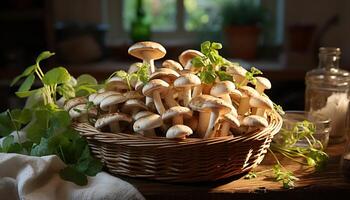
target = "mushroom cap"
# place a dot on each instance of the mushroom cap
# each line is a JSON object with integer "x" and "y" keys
{"x": 221, "y": 88}
{"x": 154, "y": 85}
{"x": 176, "y": 110}
{"x": 188, "y": 55}
{"x": 236, "y": 94}
{"x": 139, "y": 85}
{"x": 263, "y": 81}
{"x": 92, "y": 96}
{"x": 133, "y": 104}
{"x": 80, "y": 110}
{"x": 236, "y": 69}
{"x": 147, "y": 50}
{"x": 248, "y": 91}
{"x": 187, "y": 80}
{"x": 142, "y": 114}
{"x": 133, "y": 95}
{"x": 113, "y": 117}
{"x": 99, "y": 97}
{"x": 163, "y": 73}
{"x": 74, "y": 102}
{"x": 111, "y": 100}
{"x": 207, "y": 103}
{"x": 134, "y": 67}
{"x": 178, "y": 131}
{"x": 116, "y": 83}
{"x": 233, "y": 120}
{"x": 172, "y": 64}
{"x": 148, "y": 122}
{"x": 261, "y": 102}
{"x": 255, "y": 121}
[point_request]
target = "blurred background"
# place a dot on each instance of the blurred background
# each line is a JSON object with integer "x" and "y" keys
{"x": 280, "y": 37}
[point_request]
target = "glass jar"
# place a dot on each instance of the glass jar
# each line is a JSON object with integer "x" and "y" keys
{"x": 327, "y": 92}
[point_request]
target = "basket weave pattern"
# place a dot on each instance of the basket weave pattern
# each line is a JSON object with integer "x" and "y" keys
{"x": 190, "y": 160}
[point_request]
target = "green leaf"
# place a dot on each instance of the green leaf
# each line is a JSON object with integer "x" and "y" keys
{"x": 7, "y": 142}
{"x": 44, "y": 55}
{"x": 251, "y": 175}
{"x": 25, "y": 94}
{"x": 86, "y": 79}
{"x": 6, "y": 125}
{"x": 28, "y": 71}
{"x": 224, "y": 76}
{"x": 71, "y": 174}
{"x": 56, "y": 76}
{"x": 66, "y": 90}
{"x": 38, "y": 127}
{"x": 42, "y": 149}
{"x": 27, "y": 84}
{"x": 94, "y": 167}
{"x": 35, "y": 99}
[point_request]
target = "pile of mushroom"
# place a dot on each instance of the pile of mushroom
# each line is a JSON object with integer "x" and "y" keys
{"x": 174, "y": 102}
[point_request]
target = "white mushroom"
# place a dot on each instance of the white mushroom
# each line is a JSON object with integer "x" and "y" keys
{"x": 254, "y": 122}
{"x": 186, "y": 82}
{"x": 148, "y": 52}
{"x": 146, "y": 125}
{"x": 153, "y": 89}
{"x": 114, "y": 118}
{"x": 238, "y": 73}
{"x": 133, "y": 106}
{"x": 186, "y": 57}
{"x": 223, "y": 89}
{"x": 178, "y": 131}
{"x": 177, "y": 113}
{"x": 247, "y": 93}
{"x": 260, "y": 104}
{"x": 227, "y": 121}
{"x": 262, "y": 84}
{"x": 172, "y": 64}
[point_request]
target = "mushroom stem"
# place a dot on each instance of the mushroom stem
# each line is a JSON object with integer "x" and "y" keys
{"x": 169, "y": 99}
{"x": 197, "y": 90}
{"x": 259, "y": 88}
{"x": 260, "y": 112}
{"x": 227, "y": 98}
{"x": 243, "y": 105}
{"x": 203, "y": 123}
{"x": 214, "y": 116}
{"x": 158, "y": 102}
{"x": 114, "y": 126}
{"x": 178, "y": 120}
{"x": 225, "y": 128}
{"x": 187, "y": 95}
{"x": 151, "y": 65}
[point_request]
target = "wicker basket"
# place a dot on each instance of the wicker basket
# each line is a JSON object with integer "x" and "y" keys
{"x": 190, "y": 160}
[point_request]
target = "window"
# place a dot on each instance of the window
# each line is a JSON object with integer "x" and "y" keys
{"x": 180, "y": 20}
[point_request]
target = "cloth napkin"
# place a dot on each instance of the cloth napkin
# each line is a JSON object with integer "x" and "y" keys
{"x": 32, "y": 178}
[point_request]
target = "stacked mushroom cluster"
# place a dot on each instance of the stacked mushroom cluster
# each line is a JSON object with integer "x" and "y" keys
{"x": 173, "y": 102}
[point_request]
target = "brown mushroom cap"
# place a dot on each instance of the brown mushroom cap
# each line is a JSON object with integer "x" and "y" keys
{"x": 142, "y": 114}
{"x": 207, "y": 103}
{"x": 172, "y": 64}
{"x": 113, "y": 117}
{"x": 255, "y": 121}
{"x": 175, "y": 111}
{"x": 154, "y": 85}
{"x": 221, "y": 88}
{"x": 187, "y": 80}
{"x": 151, "y": 50}
{"x": 74, "y": 102}
{"x": 236, "y": 69}
{"x": 111, "y": 100}
{"x": 188, "y": 55}
{"x": 164, "y": 73}
{"x": 231, "y": 119}
{"x": 80, "y": 110}
{"x": 116, "y": 83}
{"x": 99, "y": 97}
{"x": 133, "y": 104}
{"x": 133, "y": 95}
{"x": 178, "y": 131}
{"x": 148, "y": 122}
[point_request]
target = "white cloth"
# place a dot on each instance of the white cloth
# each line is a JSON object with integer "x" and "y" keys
{"x": 32, "y": 178}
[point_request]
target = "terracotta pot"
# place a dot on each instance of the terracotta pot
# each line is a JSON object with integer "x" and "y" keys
{"x": 243, "y": 41}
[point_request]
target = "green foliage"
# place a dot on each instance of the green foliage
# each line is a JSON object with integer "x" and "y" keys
{"x": 48, "y": 128}
{"x": 142, "y": 74}
{"x": 286, "y": 177}
{"x": 210, "y": 65}
{"x": 244, "y": 12}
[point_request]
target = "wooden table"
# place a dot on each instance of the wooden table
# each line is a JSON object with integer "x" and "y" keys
{"x": 328, "y": 184}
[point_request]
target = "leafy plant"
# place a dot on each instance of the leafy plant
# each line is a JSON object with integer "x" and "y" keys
{"x": 141, "y": 74}
{"x": 244, "y": 12}
{"x": 48, "y": 127}
{"x": 212, "y": 64}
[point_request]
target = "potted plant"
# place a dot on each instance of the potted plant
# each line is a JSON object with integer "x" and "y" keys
{"x": 242, "y": 21}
